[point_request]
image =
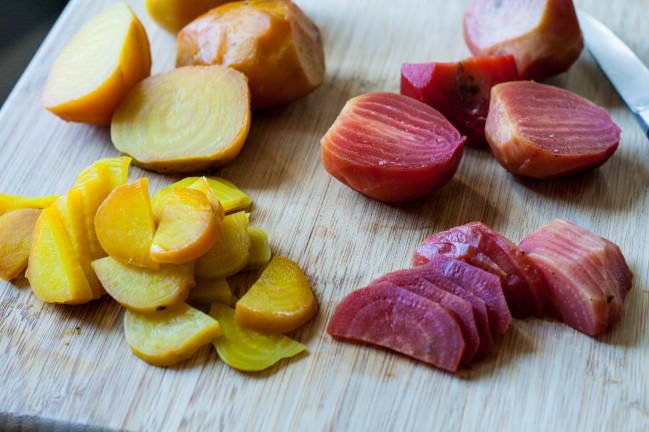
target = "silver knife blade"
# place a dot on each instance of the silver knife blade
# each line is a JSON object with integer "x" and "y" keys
{"x": 623, "y": 68}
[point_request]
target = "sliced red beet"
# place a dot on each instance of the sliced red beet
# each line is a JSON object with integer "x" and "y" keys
{"x": 415, "y": 283}
{"x": 541, "y": 131}
{"x": 543, "y": 35}
{"x": 460, "y": 91}
{"x": 485, "y": 248}
{"x": 402, "y": 321}
{"x": 587, "y": 276}
{"x": 391, "y": 147}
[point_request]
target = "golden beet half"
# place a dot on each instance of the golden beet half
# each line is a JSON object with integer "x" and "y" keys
{"x": 173, "y": 15}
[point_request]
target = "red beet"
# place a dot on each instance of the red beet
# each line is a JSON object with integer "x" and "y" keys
{"x": 543, "y": 35}
{"x": 460, "y": 91}
{"x": 481, "y": 246}
{"x": 402, "y": 321}
{"x": 415, "y": 283}
{"x": 587, "y": 275}
{"x": 391, "y": 147}
{"x": 541, "y": 131}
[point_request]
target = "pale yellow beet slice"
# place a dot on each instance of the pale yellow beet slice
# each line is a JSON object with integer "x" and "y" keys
{"x": 230, "y": 253}
{"x": 170, "y": 336}
{"x": 260, "y": 253}
{"x": 16, "y": 232}
{"x": 142, "y": 290}
{"x": 15, "y": 202}
{"x": 208, "y": 291}
{"x": 188, "y": 119}
{"x": 173, "y": 15}
{"x": 102, "y": 62}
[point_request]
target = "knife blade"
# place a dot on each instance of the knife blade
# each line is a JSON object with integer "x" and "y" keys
{"x": 626, "y": 72}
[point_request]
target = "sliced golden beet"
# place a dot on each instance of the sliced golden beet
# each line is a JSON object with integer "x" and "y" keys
{"x": 173, "y": 15}
{"x": 188, "y": 227}
{"x": 208, "y": 291}
{"x": 250, "y": 350}
{"x": 104, "y": 60}
{"x": 203, "y": 186}
{"x": 142, "y": 290}
{"x": 170, "y": 336}
{"x": 280, "y": 301}
{"x": 188, "y": 119}
{"x": 124, "y": 224}
{"x": 16, "y": 232}
{"x": 230, "y": 253}
{"x": 260, "y": 253}
{"x": 17, "y": 202}
{"x": 116, "y": 170}
{"x": 53, "y": 270}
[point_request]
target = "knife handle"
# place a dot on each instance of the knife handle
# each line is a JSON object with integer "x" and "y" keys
{"x": 643, "y": 118}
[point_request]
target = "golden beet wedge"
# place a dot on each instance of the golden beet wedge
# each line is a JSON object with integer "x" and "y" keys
{"x": 280, "y": 301}
{"x": 172, "y": 15}
{"x": 188, "y": 227}
{"x": 230, "y": 253}
{"x": 272, "y": 42}
{"x": 189, "y": 119}
{"x": 107, "y": 57}
{"x": 208, "y": 291}
{"x": 170, "y": 336}
{"x": 260, "y": 253}
{"x": 142, "y": 290}
{"x": 16, "y": 232}
{"x": 124, "y": 224}
{"x": 16, "y": 202}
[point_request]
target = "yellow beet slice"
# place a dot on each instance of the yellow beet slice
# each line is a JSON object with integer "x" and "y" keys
{"x": 53, "y": 270}
{"x": 188, "y": 227}
{"x": 103, "y": 61}
{"x": 280, "y": 301}
{"x": 170, "y": 336}
{"x": 172, "y": 15}
{"x": 203, "y": 186}
{"x": 17, "y": 202}
{"x": 250, "y": 350}
{"x": 142, "y": 290}
{"x": 230, "y": 253}
{"x": 115, "y": 169}
{"x": 16, "y": 233}
{"x": 124, "y": 224}
{"x": 188, "y": 119}
{"x": 260, "y": 253}
{"x": 208, "y": 291}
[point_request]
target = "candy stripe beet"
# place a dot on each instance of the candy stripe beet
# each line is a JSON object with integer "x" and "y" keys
{"x": 391, "y": 147}
{"x": 402, "y": 321}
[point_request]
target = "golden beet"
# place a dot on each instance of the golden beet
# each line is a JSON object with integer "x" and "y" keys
{"x": 172, "y": 15}
{"x": 16, "y": 202}
{"x": 16, "y": 230}
{"x": 230, "y": 253}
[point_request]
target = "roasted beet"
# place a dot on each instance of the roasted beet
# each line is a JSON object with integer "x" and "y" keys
{"x": 543, "y": 35}
{"x": 402, "y": 321}
{"x": 460, "y": 90}
{"x": 587, "y": 275}
{"x": 391, "y": 147}
{"x": 541, "y": 131}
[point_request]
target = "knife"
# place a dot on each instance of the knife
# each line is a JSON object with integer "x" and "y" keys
{"x": 622, "y": 67}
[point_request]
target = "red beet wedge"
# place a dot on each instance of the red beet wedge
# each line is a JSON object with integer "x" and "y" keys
{"x": 402, "y": 321}
{"x": 587, "y": 275}
{"x": 543, "y": 35}
{"x": 483, "y": 247}
{"x": 391, "y": 148}
{"x": 541, "y": 131}
{"x": 460, "y": 90}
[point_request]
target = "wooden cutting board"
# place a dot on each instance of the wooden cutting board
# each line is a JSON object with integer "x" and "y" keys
{"x": 67, "y": 366}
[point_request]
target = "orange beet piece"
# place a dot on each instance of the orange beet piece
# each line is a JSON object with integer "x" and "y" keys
{"x": 543, "y": 35}
{"x": 391, "y": 147}
{"x": 542, "y": 131}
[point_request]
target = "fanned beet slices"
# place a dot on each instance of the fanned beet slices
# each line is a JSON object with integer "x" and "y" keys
{"x": 460, "y": 91}
{"x": 543, "y": 35}
{"x": 391, "y": 147}
{"x": 402, "y": 321}
{"x": 542, "y": 131}
{"x": 587, "y": 275}
{"x": 485, "y": 248}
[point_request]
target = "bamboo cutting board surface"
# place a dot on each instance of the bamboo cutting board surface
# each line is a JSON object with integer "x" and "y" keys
{"x": 70, "y": 366}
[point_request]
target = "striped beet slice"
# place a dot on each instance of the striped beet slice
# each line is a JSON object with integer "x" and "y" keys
{"x": 391, "y": 147}
{"x": 402, "y": 321}
{"x": 587, "y": 275}
{"x": 415, "y": 283}
{"x": 541, "y": 131}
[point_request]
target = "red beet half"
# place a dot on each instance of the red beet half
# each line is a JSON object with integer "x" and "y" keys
{"x": 485, "y": 248}
{"x": 415, "y": 283}
{"x": 402, "y": 321}
{"x": 391, "y": 148}
{"x": 543, "y": 35}
{"x": 587, "y": 276}
{"x": 460, "y": 91}
{"x": 541, "y": 131}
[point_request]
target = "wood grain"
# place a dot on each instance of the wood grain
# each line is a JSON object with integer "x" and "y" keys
{"x": 542, "y": 375}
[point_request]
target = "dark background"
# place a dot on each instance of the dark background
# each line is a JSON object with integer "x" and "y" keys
{"x": 23, "y": 26}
